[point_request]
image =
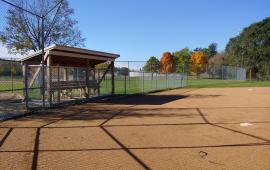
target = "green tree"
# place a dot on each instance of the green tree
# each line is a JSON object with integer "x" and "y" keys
{"x": 124, "y": 71}
{"x": 212, "y": 50}
{"x": 22, "y": 32}
{"x": 251, "y": 49}
{"x": 152, "y": 65}
{"x": 181, "y": 58}
{"x": 209, "y": 52}
{"x": 102, "y": 66}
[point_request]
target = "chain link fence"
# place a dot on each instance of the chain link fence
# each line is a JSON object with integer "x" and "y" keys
{"x": 64, "y": 85}
{"x": 11, "y": 89}
{"x": 218, "y": 72}
{"x": 132, "y": 77}
{"x": 13, "y": 85}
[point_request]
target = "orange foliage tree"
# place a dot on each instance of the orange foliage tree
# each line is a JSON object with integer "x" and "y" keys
{"x": 198, "y": 62}
{"x": 166, "y": 63}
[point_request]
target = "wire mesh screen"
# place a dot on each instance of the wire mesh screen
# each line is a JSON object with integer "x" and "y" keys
{"x": 33, "y": 90}
{"x": 11, "y": 89}
{"x": 11, "y": 75}
{"x": 138, "y": 77}
{"x": 216, "y": 72}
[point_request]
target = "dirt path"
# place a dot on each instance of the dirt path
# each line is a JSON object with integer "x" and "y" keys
{"x": 219, "y": 128}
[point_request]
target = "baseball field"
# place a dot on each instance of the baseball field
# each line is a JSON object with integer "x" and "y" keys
{"x": 195, "y": 128}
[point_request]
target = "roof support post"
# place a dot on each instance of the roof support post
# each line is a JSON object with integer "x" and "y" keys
{"x": 99, "y": 80}
{"x": 58, "y": 82}
{"x": 87, "y": 93}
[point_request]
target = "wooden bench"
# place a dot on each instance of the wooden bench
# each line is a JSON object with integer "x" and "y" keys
{"x": 65, "y": 87}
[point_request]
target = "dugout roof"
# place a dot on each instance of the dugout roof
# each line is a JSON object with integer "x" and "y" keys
{"x": 69, "y": 56}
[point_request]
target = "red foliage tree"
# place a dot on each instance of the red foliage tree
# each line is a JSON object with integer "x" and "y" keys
{"x": 166, "y": 63}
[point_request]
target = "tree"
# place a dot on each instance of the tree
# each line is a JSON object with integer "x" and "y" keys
{"x": 23, "y": 30}
{"x": 102, "y": 66}
{"x": 211, "y": 50}
{"x": 217, "y": 59}
{"x": 166, "y": 63}
{"x": 251, "y": 49}
{"x": 198, "y": 62}
{"x": 152, "y": 65}
{"x": 124, "y": 71}
{"x": 181, "y": 58}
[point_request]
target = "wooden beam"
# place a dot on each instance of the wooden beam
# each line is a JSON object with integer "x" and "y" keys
{"x": 87, "y": 79}
{"x": 104, "y": 74}
{"x": 74, "y": 55}
{"x": 58, "y": 82}
{"x": 37, "y": 72}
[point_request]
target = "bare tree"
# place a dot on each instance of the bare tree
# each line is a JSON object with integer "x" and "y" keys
{"x": 22, "y": 32}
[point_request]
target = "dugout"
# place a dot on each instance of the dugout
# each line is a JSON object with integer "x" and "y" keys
{"x": 58, "y": 60}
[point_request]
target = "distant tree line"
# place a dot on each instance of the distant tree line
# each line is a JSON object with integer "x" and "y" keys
{"x": 178, "y": 61}
{"x": 250, "y": 50}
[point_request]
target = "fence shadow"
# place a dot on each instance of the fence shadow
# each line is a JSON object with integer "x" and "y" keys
{"x": 143, "y": 99}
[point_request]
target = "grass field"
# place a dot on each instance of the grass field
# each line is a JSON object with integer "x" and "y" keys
{"x": 206, "y": 83}
{"x": 137, "y": 85}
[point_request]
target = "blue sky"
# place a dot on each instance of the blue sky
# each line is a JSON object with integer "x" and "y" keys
{"x": 137, "y": 29}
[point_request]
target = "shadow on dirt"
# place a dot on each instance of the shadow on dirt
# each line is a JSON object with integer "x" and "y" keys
{"x": 143, "y": 99}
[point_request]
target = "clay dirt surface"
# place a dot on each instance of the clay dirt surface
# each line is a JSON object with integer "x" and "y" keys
{"x": 209, "y": 128}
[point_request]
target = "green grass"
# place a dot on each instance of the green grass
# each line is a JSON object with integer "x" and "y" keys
{"x": 137, "y": 85}
{"x": 7, "y": 85}
{"x": 206, "y": 83}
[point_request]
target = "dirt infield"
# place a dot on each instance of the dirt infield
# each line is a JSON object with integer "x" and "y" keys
{"x": 218, "y": 128}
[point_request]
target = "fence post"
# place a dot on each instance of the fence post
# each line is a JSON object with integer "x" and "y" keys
{"x": 113, "y": 83}
{"x": 87, "y": 74}
{"x": 98, "y": 81}
{"x": 49, "y": 80}
{"x": 25, "y": 70}
{"x": 156, "y": 81}
{"x": 58, "y": 82}
{"x": 125, "y": 83}
{"x": 129, "y": 75}
{"x": 11, "y": 73}
{"x": 166, "y": 80}
{"x": 143, "y": 83}
{"x": 250, "y": 75}
{"x": 183, "y": 72}
{"x": 222, "y": 72}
